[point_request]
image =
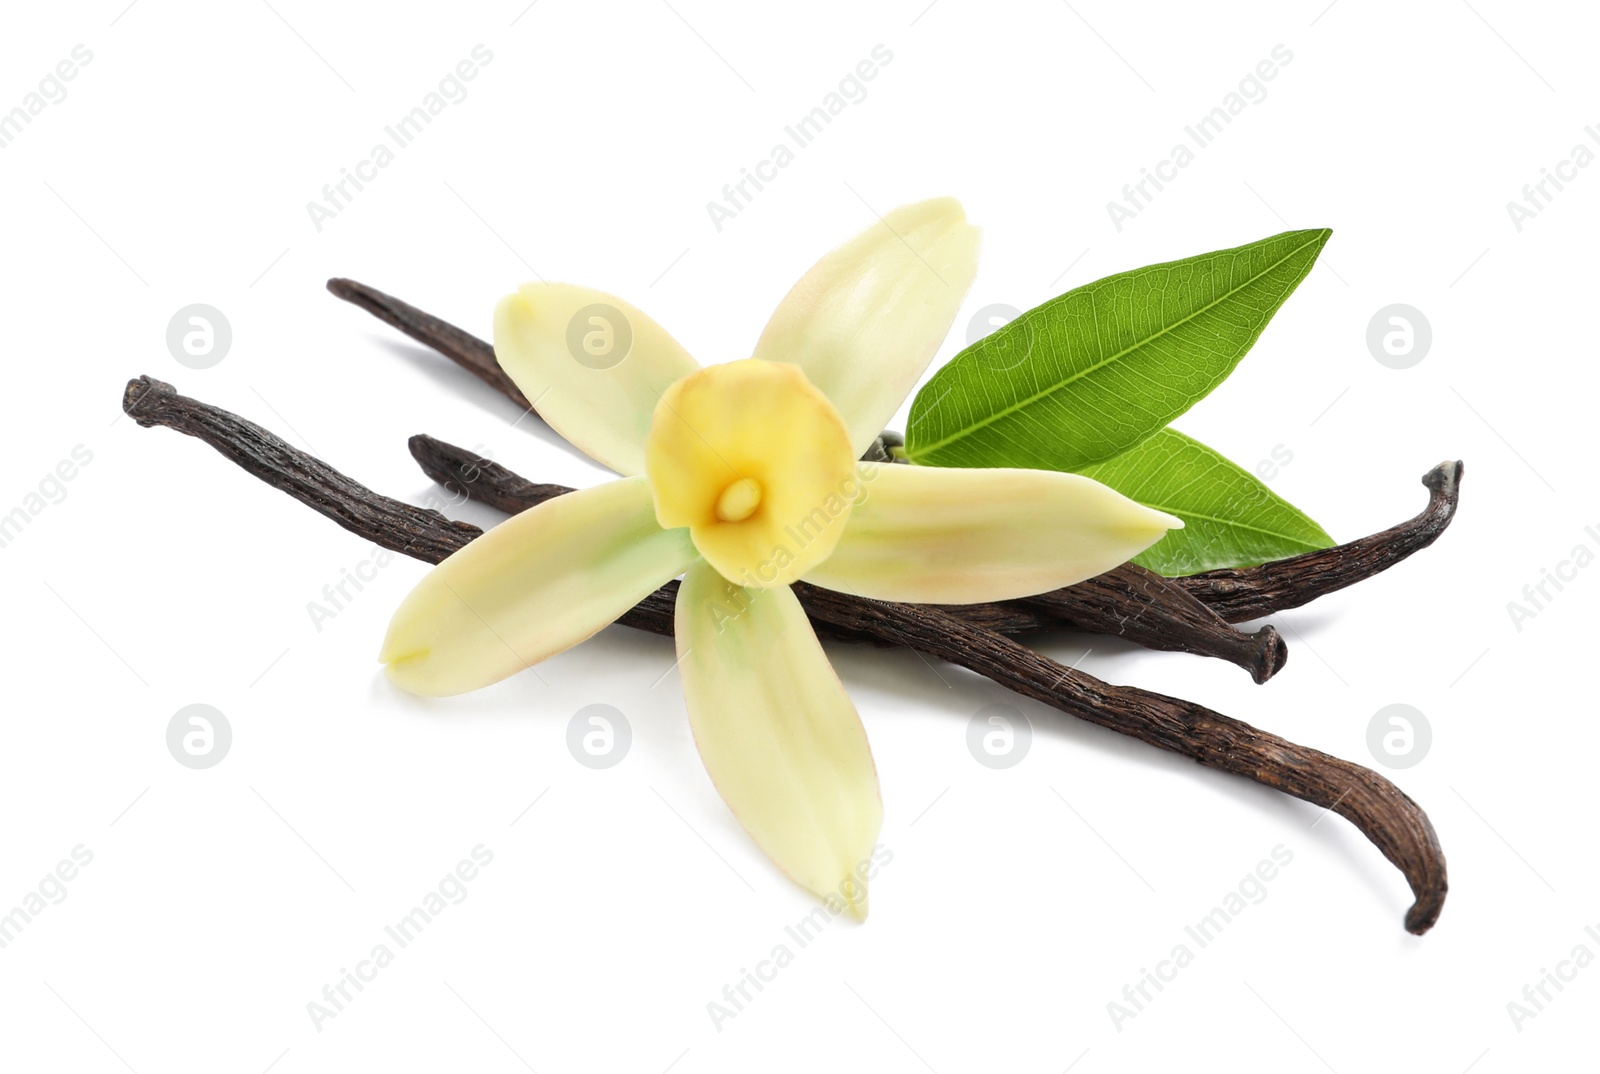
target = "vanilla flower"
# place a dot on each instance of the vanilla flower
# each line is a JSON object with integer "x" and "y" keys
{"x": 742, "y": 477}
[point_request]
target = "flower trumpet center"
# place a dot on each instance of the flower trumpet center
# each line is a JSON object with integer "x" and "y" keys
{"x": 756, "y": 463}
{"x": 738, "y": 501}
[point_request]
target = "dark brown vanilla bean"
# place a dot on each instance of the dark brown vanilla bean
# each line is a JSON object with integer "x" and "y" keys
{"x": 461, "y": 347}
{"x": 1249, "y": 593}
{"x": 1128, "y": 601}
{"x": 1383, "y": 813}
{"x": 395, "y": 525}
{"x": 1235, "y": 595}
{"x": 1392, "y": 821}
{"x": 1158, "y": 613}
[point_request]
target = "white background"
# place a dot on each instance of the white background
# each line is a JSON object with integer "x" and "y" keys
{"x": 1018, "y": 902}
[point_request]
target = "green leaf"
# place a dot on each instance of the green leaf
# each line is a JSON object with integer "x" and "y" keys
{"x": 1230, "y": 519}
{"x": 1090, "y": 374}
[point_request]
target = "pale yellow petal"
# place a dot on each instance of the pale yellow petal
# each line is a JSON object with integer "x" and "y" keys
{"x": 962, "y": 536}
{"x": 591, "y": 364}
{"x": 865, "y": 321}
{"x": 778, "y": 734}
{"x": 536, "y": 584}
